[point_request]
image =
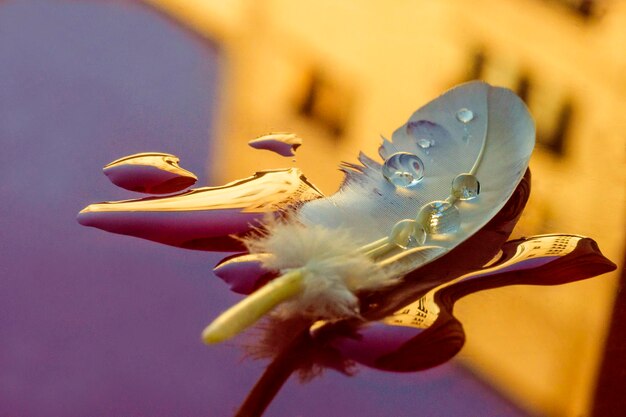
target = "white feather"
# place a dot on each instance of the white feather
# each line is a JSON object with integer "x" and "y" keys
{"x": 498, "y": 142}
{"x": 333, "y": 268}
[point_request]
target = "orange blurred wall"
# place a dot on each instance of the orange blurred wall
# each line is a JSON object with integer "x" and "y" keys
{"x": 340, "y": 73}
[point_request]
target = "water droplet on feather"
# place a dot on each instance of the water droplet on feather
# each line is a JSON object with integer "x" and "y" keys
{"x": 403, "y": 169}
{"x": 428, "y": 138}
{"x": 465, "y": 115}
{"x": 439, "y": 217}
{"x": 465, "y": 187}
{"x": 408, "y": 234}
{"x": 425, "y": 143}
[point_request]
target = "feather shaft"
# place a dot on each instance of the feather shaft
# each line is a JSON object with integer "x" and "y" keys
{"x": 249, "y": 310}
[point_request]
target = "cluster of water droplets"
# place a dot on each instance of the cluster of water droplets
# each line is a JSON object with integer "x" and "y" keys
{"x": 406, "y": 170}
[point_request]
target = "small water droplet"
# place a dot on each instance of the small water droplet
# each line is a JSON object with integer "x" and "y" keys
{"x": 465, "y": 187}
{"x": 425, "y": 143}
{"x": 403, "y": 169}
{"x": 425, "y": 139}
{"x": 439, "y": 217}
{"x": 465, "y": 115}
{"x": 408, "y": 234}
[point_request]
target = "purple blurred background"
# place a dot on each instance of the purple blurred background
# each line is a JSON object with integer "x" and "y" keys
{"x": 93, "y": 324}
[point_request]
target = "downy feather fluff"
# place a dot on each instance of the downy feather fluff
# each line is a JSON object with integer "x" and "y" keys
{"x": 334, "y": 270}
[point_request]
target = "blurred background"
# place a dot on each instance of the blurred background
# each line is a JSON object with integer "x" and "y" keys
{"x": 103, "y": 325}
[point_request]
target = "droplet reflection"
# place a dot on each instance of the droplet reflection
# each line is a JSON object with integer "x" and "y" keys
{"x": 465, "y": 187}
{"x": 439, "y": 217}
{"x": 403, "y": 169}
{"x": 465, "y": 115}
{"x": 425, "y": 143}
{"x": 408, "y": 234}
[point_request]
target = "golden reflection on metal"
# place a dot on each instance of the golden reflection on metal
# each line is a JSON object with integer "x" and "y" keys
{"x": 265, "y": 191}
{"x": 149, "y": 172}
{"x": 208, "y": 218}
{"x": 165, "y": 161}
{"x": 420, "y": 314}
{"x": 424, "y": 312}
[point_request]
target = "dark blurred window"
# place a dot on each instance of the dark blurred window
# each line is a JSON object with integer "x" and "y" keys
{"x": 587, "y": 9}
{"x": 555, "y": 139}
{"x": 325, "y": 102}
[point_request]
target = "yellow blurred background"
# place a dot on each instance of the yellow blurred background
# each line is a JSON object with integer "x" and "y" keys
{"x": 339, "y": 73}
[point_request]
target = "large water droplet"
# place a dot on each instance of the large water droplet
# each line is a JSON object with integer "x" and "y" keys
{"x": 465, "y": 115}
{"x": 403, "y": 169}
{"x": 407, "y": 234}
{"x": 465, "y": 187}
{"x": 439, "y": 217}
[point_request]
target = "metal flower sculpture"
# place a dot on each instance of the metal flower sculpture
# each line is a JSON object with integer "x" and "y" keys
{"x": 370, "y": 274}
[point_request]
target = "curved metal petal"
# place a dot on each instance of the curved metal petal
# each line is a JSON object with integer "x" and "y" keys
{"x": 150, "y": 172}
{"x": 284, "y": 144}
{"x": 209, "y": 218}
{"x": 425, "y": 333}
{"x": 244, "y": 272}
